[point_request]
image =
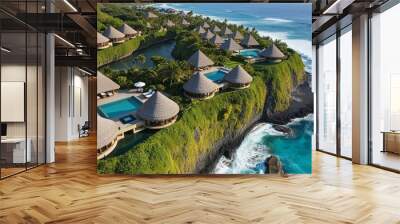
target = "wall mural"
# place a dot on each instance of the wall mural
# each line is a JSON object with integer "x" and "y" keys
{"x": 205, "y": 88}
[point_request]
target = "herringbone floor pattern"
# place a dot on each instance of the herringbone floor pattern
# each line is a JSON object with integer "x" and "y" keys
{"x": 70, "y": 191}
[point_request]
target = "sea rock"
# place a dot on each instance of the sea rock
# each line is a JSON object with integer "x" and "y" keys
{"x": 302, "y": 104}
{"x": 273, "y": 165}
{"x": 284, "y": 129}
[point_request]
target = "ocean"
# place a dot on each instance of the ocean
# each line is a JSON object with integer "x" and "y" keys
{"x": 288, "y": 22}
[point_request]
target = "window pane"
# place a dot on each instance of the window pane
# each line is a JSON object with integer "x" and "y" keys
{"x": 346, "y": 93}
{"x": 327, "y": 96}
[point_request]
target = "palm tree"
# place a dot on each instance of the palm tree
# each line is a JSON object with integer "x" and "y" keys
{"x": 141, "y": 59}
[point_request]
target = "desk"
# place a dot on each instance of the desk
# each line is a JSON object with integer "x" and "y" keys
{"x": 391, "y": 141}
{"x": 13, "y": 150}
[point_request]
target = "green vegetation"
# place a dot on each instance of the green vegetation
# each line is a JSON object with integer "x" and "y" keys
{"x": 117, "y": 52}
{"x": 177, "y": 148}
{"x": 281, "y": 78}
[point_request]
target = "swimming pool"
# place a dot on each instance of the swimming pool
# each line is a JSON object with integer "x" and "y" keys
{"x": 216, "y": 76}
{"x": 119, "y": 108}
{"x": 250, "y": 53}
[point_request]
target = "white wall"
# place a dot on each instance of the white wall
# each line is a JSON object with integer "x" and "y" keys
{"x": 71, "y": 102}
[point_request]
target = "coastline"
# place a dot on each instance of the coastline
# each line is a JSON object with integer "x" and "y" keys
{"x": 302, "y": 104}
{"x": 253, "y": 132}
{"x": 298, "y": 109}
{"x": 303, "y": 46}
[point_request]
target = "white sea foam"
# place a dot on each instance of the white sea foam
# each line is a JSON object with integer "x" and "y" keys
{"x": 308, "y": 117}
{"x": 274, "y": 35}
{"x": 251, "y": 151}
{"x": 277, "y": 20}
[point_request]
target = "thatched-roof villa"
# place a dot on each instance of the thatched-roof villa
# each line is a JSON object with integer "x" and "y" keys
{"x": 114, "y": 35}
{"x": 200, "y": 87}
{"x": 102, "y": 41}
{"x": 128, "y": 31}
{"x": 158, "y": 112}
{"x": 199, "y": 60}
{"x": 206, "y": 25}
{"x": 185, "y": 23}
{"x": 231, "y": 45}
{"x": 217, "y": 40}
{"x": 226, "y": 32}
{"x": 200, "y": 30}
{"x": 105, "y": 85}
{"x": 238, "y": 78}
{"x": 249, "y": 41}
{"x": 272, "y": 53}
{"x": 150, "y": 15}
{"x": 215, "y": 29}
{"x": 237, "y": 36}
{"x": 108, "y": 135}
{"x": 207, "y": 35}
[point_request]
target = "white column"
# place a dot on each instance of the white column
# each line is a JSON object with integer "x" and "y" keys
{"x": 50, "y": 98}
{"x": 360, "y": 90}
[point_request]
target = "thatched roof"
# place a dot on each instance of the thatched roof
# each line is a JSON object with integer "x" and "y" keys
{"x": 199, "y": 59}
{"x": 169, "y": 23}
{"x": 249, "y": 40}
{"x": 226, "y": 31}
{"x": 148, "y": 25}
{"x": 207, "y": 35}
{"x": 216, "y": 39}
{"x": 206, "y": 25}
{"x": 237, "y": 35}
{"x": 200, "y": 84}
{"x": 150, "y": 15}
{"x": 157, "y": 108}
{"x": 231, "y": 45}
{"x": 127, "y": 30}
{"x": 101, "y": 39}
{"x": 113, "y": 33}
{"x": 184, "y": 22}
{"x": 105, "y": 84}
{"x": 107, "y": 131}
{"x": 272, "y": 52}
{"x": 200, "y": 30}
{"x": 238, "y": 76}
{"x": 215, "y": 29}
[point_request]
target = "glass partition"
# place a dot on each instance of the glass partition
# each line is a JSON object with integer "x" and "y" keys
{"x": 326, "y": 97}
{"x": 346, "y": 92}
{"x": 22, "y": 107}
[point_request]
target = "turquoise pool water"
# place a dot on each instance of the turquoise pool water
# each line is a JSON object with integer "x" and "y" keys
{"x": 119, "y": 108}
{"x": 216, "y": 76}
{"x": 252, "y": 53}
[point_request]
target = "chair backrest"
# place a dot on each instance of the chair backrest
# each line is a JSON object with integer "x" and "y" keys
{"x": 86, "y": 125}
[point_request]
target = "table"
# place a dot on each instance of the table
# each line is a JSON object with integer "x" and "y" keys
{"x": 13, "y": 150}
{"x": 391, "y": 141}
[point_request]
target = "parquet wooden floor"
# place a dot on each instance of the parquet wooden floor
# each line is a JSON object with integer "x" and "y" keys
{"x": 70, "y": 191}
